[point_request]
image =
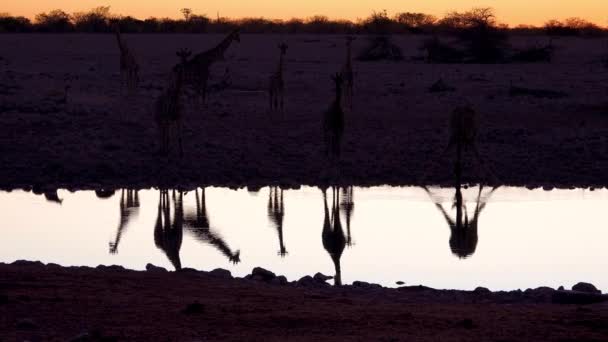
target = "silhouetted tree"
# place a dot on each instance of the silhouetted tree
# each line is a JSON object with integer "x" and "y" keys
{"x": 479, "y": 31}
{"x": 54, "y": 21}
{"x": 416, "y": 22}
{"x": 9, "y": 23}
{"x": 187, "y": 12}
{"x": 95, "y": 20}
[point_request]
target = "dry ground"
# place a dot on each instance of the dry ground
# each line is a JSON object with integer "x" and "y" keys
{"x": 50, "y": 303}
{"x": 394, "y": 133}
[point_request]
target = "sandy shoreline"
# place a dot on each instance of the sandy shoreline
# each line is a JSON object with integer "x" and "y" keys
{"x": 50, "y": 302}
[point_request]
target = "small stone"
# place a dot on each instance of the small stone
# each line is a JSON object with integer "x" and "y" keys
{"x": 561, "y": 288}
{"x": 320, "y": 277}
{"x": 112, "y": 268}
{"x": 361, "y": 284}
{"x": 153, "y": 268}
{"x": 586, "y": 287}
{"x": 262, "y": 273}
{"x": 306, "y": 281}
{"x": 482, "y": 290}
{"x": 195, "y": 308}
{"x": 221, "y": 273}
{"x": 27, "y": 263}
{"x": 400, "y": 283}
{"x": 26, "y": 324}
{"x": 280, "y": 280}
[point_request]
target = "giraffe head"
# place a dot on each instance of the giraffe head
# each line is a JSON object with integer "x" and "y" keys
{"x": 183, "y": 55}
{"x": 236, "y": 35}
{"x": 283, "y": 47}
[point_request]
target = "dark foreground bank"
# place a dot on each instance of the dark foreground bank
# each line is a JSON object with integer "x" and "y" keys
{"x": 49, "y": 302}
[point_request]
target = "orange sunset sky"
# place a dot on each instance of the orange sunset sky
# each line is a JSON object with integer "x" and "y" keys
{"x": 512, "y": 12}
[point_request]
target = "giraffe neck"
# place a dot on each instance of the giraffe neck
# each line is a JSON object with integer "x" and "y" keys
{"x": 281, "y": 64}
{"x": 348, "y": 54}
{"x": 121, "y": 43}
{"x": 338, "y": 94}
{"x": 218, "y": 52}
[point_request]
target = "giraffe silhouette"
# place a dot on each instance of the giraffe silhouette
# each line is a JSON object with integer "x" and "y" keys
{"x": 347, "y": 205}
{"x": 168, "y": 230}
{"x": 197, "y": 224}
{"x": 333, "y": 123}
{"x": 196, "y": 70}
{"x": 168, "y": 109}
{"x": 129, "y": 209}
{"x": 276, "y": 213}
{"x": 463, "y": 131}
{"x": 333, "y": 237}
{"x": 276, "y": 85}
{"x": 129, "y": 68}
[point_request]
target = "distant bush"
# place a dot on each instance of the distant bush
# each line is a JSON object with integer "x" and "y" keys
{"x": 95, "y": 20}
{"x": 14, "y": 24}
{"x": 572, "y": 27}
{"x": 416, "y": 22}
{"x": 485, "y": 41}
{"x": 381, "y": 48}
{"x": 54, "y": 21}
{"x": 477, "y": 26}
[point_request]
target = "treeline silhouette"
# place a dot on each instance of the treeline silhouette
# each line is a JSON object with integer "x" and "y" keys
{"x": 100, "y": 20}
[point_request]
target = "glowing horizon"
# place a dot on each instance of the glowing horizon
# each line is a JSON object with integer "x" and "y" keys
{"x": 512, "y": 12}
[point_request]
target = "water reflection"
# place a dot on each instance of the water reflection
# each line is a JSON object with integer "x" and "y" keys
{"x": 463, "y": 230}
{"x": 168, "y": 230}
{"x": 202, "y": 227}
{"x": 333, "y": 237}
{"x": 129, "y": 209}
{"x": 347, "y": 204}
{"x": 276, "y": 213}
{"x": 197, "y": 223}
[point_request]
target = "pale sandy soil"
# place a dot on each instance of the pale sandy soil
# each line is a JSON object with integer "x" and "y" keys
{"x": 51, "y": 303}
{"x": 394, "y": 133}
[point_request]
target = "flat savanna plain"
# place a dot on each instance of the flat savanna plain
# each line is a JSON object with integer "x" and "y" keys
{"x": 393, "y": 135}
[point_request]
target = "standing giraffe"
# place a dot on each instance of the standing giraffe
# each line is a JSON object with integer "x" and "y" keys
{"x": 276, "y": 85}
{"x": 333, "y": 237}
{"x": 333, "y": 122}
{"x": 348, "y": 74}
{"x": 196, "y": 70}
{"x": 463, "y": 129}
{"x": 276, "y": 213}
{"x": 129, "y": 208}
{"x": 168, "y": 111}
{"x": 129, "y": 68}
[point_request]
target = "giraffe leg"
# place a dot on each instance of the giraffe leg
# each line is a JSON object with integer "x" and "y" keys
{"x": 179, "y": 139}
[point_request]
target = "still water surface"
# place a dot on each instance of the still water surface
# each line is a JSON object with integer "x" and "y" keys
{"x": 507, "y": 239}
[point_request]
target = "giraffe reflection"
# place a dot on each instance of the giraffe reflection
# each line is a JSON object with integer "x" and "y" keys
{"x": 197, "y": 223}
{"x": 463, "y": 237}
{"x": 347, "y": 205}
{"x": 276, "y": 213}
{"x": 129, "y": 209}
{"x": 168, "y": 230}
{"x": 333, "y": 237}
